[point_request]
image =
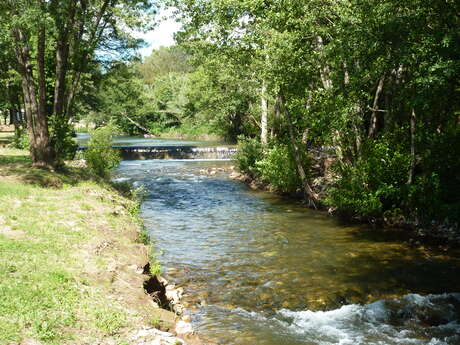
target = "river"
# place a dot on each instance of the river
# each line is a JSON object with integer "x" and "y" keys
{"x": 261, "y": 270}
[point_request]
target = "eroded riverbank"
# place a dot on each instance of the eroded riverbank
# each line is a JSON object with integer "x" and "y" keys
{"x": 245, "y": 258}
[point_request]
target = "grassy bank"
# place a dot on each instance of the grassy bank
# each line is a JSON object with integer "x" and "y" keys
{"x": 71, "y": 265}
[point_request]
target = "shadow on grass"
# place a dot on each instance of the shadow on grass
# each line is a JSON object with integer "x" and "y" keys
{"x": 19, "y": 166}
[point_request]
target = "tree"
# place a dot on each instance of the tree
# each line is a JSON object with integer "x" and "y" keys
{"x": 57, "y": 40}
{"x": 374, "y": 81}
{"x": 163, "y": 61}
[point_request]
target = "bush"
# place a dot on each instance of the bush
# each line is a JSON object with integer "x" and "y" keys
{"x": 249, "y": 152}
{"x": 100, "y": 157}
{"x": 21, "y": 140}
{"x": 61, "y": 138}
{"x": 278, "y": 168}
{"x": 435, "y": 194}
{"x": 374, "y": 184}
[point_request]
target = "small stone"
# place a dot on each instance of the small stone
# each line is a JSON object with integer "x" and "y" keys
{"x": 183, "y": 327}
{"x": 30, "y": 341}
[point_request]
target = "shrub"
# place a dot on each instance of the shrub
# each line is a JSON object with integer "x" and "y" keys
{"x": 100, "y": 157}
{"x": 249, "y": 152}
{"x": 61, "y": 138}
{"x": 374, "y": 184}
{"x": 21, "y": 140}
{"x": 435, "y": 192}
{"x": 278, "y": 168}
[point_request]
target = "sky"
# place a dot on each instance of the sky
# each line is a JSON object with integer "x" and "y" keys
{"x": 163, "y": 33}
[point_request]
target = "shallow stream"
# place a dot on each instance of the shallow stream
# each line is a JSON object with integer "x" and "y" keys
{"x": 261, "y": 270}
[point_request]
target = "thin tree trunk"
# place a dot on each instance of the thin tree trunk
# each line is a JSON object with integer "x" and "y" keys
{"x": 61, "y": 71}
{"x": 138, "y": 125}
{"x": 276, "y": 116}
{"x": 346, "y": 75}
{"x": 337, "y": 147}
{"x": 413, "y": 123}
{"x": 374, "y": 119}
{"x": 41, "y": 72}
{"x": 310, "y": 195}
{"x": 325, "y": 70}
{"x": 264, "y": 114}
{"x": 94, "y": 37}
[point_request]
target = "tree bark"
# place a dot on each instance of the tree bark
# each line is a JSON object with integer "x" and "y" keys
{"x": 324, "y": 71}
{"x": 62, "y": 57}
{"x": 264, "y": 114}
{"x": 41, "y": 72}
{"x": 374, "y": 119}
{"x": 276, "y": 116}
{"x": 40, "y": 148}
{"x": 310, "y": 196}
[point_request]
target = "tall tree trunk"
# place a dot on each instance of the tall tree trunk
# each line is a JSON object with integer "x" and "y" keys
{"x": 61, "y": 71}
{"x": 413, "y": 123}
{"x": 40, "y": 149}
{"x": 62, "y": 57}
{"x": 41, "y": 72}
{"x": 310, "y": 196}
{"x": 264, "y": 114}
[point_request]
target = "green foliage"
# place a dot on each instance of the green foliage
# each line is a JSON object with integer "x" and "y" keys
{"x": 278, "y": 168}
{"x": 375, "y": 183}
{"x": 434, "y": 195}
{"x": 100, "y": 157}
{"x": 59, "y": 41}
{"x": 21, "y": 140}
{"x": 61, "y": 138}
{"x": 341, "y": 75}
{"x": 162, "y": 62}
{"x": 250, "y": 151}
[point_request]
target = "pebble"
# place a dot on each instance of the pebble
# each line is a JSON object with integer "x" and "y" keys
{"x": 153, "y": 336}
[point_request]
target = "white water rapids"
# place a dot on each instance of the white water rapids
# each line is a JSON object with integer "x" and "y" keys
{"x": 410, "y": 320}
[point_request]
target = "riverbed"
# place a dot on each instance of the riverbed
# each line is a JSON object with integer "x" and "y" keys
{"x": 259, "y": 269}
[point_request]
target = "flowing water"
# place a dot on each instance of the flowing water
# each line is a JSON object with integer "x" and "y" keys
{"x": 258, "y": 269}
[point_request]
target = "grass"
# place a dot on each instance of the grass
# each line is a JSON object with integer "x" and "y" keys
{"x": 6, "y": 137}
{"x": 69, "y": 252}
